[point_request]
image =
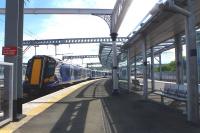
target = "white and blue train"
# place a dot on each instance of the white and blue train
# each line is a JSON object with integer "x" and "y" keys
{"x": 45, "y": 72}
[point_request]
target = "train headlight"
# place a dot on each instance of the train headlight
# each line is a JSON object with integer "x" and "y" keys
{"x": 51, "y": 78}
{"x": 46, "y": 80}
{"x": 26, "y": 78}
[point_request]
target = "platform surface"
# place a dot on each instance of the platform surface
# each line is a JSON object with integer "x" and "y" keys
{"x": 92, "y": 109}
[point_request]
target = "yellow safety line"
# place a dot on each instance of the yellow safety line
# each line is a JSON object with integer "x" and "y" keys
{"x": 11, "y": 127}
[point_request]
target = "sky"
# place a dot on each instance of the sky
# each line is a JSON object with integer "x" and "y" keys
{"x": 75, "y": 26}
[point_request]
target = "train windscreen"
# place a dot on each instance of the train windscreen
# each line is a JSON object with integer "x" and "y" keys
{"x": 28, "y": 69}
{"x": 50, "y": 69}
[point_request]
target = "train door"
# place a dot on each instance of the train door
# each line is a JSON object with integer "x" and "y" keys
{"x": 75, "y": 73}
{"x": 72, "y": 73}
{"x": 65, "y": 72}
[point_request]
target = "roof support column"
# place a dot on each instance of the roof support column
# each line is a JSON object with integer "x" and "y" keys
{"x": 129, "y": 70}
{"x": 145, "y": 82}
{"x": 152, "y": 70}
{"x": 160, "y": 67}
{"x": 114, "y": 64}
{"x": 135, "y": 68}
{"x": 178, "y": 54}
{"x": 20, "y": 57}
{"x": 192, "y": 73}
{"x": 55, "y": 50}
{"x": 13, "y": 36}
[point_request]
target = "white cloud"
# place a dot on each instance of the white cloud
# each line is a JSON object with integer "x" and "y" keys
{"x": 75, "y": 49}
{"x": 71, "y": 26}
{"x": 75, "y": 26}
{"x": 137, "y": 11}
{"x": 106, "y": 4}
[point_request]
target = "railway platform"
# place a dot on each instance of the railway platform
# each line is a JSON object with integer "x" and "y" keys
{"x": 89, "y": 107}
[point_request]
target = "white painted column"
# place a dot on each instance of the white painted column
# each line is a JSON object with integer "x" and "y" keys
{"x": 129, "y": 69}
{"x": 152, "y": 70}
{"x": 114, "y": 63}
{"x": 145, "y": 82}
{"x": 179, "y": 58}
{"x": 135, "y": 69}
{"x": 192, "y": 72}
{"x": 160, "y": 66}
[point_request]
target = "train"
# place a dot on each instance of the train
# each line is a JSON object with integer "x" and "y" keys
{"x": 45, "y": 73}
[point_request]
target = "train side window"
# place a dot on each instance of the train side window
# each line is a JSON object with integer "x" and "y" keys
{"x": 76, "y": 73}
{"x": 67, "y": 71}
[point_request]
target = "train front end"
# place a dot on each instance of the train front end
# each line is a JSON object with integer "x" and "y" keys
{"x": 39, "y": 74}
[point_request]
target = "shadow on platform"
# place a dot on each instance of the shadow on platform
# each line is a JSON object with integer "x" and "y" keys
{"x": 92, "y": 109}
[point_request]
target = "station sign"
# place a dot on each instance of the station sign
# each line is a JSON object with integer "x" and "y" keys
{"x": 9, "y": 51}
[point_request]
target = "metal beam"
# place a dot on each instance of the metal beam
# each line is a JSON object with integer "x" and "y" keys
{"x": 110, "y": 45}
{"x": 105, "y": 53}
{"x": 63, "y": 11}
{"x": 80, "y": 56}
{"x": 171, "y": 23}
{"x": 93, "y": 64}
{"x": 179, "y": 58}
{"x": 164, "y": 49}
{"x": 119, "y": 11}
{"x": 157, "y": 52}
{"x": 108, "y": 56}
{"x": 72, "y": 41}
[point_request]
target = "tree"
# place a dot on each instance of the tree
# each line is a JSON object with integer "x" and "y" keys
{"x": 171, "y": 67}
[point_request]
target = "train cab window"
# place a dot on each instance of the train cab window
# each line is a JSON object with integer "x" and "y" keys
{"x": 29, "y": 67}
{"x": 50, "y": 69}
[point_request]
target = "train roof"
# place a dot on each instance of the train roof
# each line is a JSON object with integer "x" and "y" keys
{"x": 42, "y": 56}
{"x": 61, "y": 62}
